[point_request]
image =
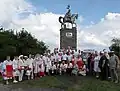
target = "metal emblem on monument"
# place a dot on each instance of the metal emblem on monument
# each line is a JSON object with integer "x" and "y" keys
{"x": 68, "y": 31}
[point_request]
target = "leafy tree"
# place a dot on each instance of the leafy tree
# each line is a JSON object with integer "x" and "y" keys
{"x": 19, "y": 43}
{"x": 115, "y": 46}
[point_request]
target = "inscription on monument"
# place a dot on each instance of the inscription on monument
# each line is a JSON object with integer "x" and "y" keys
{"x": 68, "y": 34}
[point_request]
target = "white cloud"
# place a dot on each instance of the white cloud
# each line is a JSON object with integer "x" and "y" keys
{"x": 45, "y": 26}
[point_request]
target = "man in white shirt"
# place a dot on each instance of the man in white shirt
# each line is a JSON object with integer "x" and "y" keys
{"x": 52, "y": 57}
{"x": 59, "y": 58}
{"x": 79, "y": 52}
{"x": 64, "y": 57}
{"x": 76, "y": 53}
{"x": 53, "y": 69}
{"x": 69, "y": 57}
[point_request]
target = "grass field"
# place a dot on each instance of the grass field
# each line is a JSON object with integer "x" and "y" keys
{"x": 69, "y": 83}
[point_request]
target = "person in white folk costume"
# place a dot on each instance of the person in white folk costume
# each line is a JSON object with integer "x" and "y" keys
{"x": 96, "y": 63}
{"x": 36, "y": 66}
{"x": 15, "y": 68}
{"x": 26, "y": 67}
{"x": 53, "y": 69}
{"x": 63, "y": 67}
{"x": 48, "y": 64}
{"x": 42, "y": 66}
{"x": 52, "y": 57}
{"x": 21, "y": 67}
{"x": 5, "y": 63}
{"x": 45, "y": 58}
{"x": 29, "y": 72}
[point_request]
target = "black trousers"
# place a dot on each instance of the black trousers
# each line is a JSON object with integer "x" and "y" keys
{"x": 24, "y": 75}
{"x": 104, "y": 73}
{"x": 69, "y": 71}
{"x": 54, "y": 72}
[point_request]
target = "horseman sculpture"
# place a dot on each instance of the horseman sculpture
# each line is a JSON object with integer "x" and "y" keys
{"x": 68, "y": 18}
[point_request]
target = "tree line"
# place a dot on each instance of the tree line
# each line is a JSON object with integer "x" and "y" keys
{"x": 19, "y": 43}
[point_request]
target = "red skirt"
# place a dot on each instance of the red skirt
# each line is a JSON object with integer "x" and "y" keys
{"x": 80, "y": 64}
{"x": 42, "y": 74}
{"x": 9, "y": 71}
{"x": 73, "y": 63}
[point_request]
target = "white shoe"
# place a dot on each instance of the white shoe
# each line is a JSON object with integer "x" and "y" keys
{"x": 7, "y": 82}
{"x": 116, "y": 81}
{"x": 97, "y": 76}
{"x": 10, "y": 77}
{"x": 15, "y": 81}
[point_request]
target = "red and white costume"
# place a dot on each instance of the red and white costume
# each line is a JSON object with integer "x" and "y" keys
{"x": 42, "y": 68}
{"x": 80, "y": 63}
{"x": 83, "y": 71}
{"x": 73, "y": 61}
{"x": 30, "y": 67}
{"x": 36, "y": 65}
{"x": 15, "y": 68}
{"x": 7, "y": 67}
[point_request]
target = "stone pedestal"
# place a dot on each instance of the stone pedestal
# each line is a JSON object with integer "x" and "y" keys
{"x": 68, "y": 37}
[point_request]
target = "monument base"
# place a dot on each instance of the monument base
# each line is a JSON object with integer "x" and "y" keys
{"x": 68, "y": 37}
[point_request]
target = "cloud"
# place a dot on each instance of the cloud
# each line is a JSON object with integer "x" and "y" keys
{"x": 45, "y": 26}
{"x": 103, "y": 31}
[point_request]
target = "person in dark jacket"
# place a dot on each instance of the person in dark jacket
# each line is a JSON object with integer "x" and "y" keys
{"x": 103, "y": 65}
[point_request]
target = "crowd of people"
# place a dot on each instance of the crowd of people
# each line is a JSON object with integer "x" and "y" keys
{"x": 102, "y": 65}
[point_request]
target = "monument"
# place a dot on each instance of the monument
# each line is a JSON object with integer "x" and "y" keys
{"x": 68, "y": 31}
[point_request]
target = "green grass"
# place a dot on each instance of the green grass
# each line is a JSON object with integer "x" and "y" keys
{"x": 70, "y": 83}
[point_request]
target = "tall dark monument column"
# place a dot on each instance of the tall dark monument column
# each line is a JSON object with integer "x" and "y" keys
{"x": 68, "y": 31}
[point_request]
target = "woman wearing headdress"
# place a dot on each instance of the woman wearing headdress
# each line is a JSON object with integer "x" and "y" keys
{"x": 48, "y": 65}
{"x": 73, "y": 60}
{"x": 21, "y": 67}
{"x": 75, "y": 69}
{"x": 15, "y": 68}
{"x": 36, "y": 66}
{"x": 80, "y": 62}
{"x": 96, "y": 67}
{"x": 42, "y": 67}
{"x": 7, "y": 69}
